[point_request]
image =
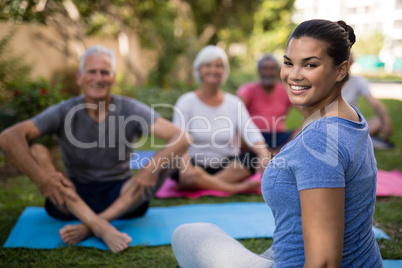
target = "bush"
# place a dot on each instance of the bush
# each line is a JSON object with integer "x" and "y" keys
{"x": 67, "y": 76}
{"x": 161, "y": 100}
{"x": 13, "y": 68}
{"x": 32, "y": 97}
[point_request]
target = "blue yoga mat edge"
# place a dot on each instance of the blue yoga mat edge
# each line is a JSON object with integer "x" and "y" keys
{"x": 35, "y": 229}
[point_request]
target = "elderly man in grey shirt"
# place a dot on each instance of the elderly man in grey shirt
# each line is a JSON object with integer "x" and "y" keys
{"x": 95, "y": 132}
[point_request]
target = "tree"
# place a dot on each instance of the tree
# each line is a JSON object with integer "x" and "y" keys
{"x": 175, "y": 29}
{"x": 13, "y": 68}
{"x": 272, "y": 26}
{"x": 150, "y": 19}
{"x": 376, "y": 41}
{"x": 63, "y": 16}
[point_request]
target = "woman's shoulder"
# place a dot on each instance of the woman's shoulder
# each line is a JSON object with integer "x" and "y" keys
{"x": 231, "y": 98}
{"x": 186, "y": 98}
{"x": 329, "y": 134}
{"x": 315, "y": 134}
{"x": 70, "y": 103}
{"x": 188, "y": 95}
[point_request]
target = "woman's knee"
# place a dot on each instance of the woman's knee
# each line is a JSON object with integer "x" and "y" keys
{"x": 182, "y": 232}
{"x": 206, "y": 245}
{"x": 190, "y": 233}
{"x": 189, "y": 244}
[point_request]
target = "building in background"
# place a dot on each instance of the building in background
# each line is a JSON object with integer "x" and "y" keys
{"x": 366, "y": 17}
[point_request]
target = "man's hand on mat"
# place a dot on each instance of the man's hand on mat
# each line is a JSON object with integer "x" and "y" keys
{"x": 55, "y": 186}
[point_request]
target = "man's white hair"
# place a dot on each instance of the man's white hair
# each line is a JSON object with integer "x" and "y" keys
{"x": 208, "y": 54}
{"x": 96, "y": 50}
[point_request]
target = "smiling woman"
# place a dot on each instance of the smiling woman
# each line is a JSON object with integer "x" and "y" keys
{"x": 309, "y": 75}
{"x": 322, "y": 193}
{"x": 217, "y": 121}
{"x": 334, "y": 194}
{"x": 314, "y": 70}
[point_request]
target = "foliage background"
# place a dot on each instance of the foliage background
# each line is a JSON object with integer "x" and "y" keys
{"x": 175, "y": 29}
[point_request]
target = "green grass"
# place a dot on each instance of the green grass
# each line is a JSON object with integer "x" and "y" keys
{"x": 19, "y": 192}
{"x": 389, "y": 159}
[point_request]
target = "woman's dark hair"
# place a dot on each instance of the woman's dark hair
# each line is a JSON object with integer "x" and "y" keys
{"x": 338, "y": 36}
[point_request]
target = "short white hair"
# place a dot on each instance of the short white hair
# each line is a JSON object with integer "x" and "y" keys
{"x": 208, "y": 54}
{"x": 96, "y": 50}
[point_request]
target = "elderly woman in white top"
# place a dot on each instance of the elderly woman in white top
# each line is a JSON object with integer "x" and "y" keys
{"x": 218, "y": 122}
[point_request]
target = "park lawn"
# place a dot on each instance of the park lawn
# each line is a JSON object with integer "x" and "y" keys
{"x": 18, "y": 192}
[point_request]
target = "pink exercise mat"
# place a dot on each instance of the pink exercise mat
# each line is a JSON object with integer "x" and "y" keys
{"x": 388, "y": 183}
{"x": 169, "y": 190}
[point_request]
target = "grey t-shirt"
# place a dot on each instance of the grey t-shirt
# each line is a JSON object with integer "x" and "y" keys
{"x": 356, "y": 86}
{"x": 93, "y": 151}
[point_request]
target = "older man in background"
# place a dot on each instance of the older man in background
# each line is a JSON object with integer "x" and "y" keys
{"x": 95, "y": 133}
{"x": 268, "y": 103}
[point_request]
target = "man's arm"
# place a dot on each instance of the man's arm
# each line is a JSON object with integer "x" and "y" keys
{"x": 14, "y": 143}
{"x": 264, "y": 155}
{"x": 379, "y": 108}
{"x": 177, "y": 144}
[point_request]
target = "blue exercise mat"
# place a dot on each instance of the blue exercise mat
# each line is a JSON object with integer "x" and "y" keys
{"x": 35, "y": 229}
{"x": 392, "y": 263}
{"x": 140, "y": 158}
